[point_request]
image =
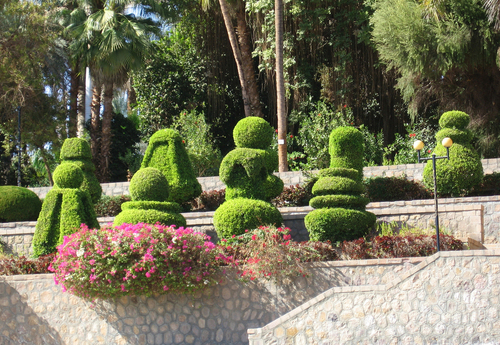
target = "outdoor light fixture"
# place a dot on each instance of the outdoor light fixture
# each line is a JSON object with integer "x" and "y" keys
{"x": 419, "y": 145}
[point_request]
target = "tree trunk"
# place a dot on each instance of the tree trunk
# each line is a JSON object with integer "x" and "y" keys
{"x": 237, "y": 55}
{"x": 280, "y": 88}
{"x": 95, "y": 124}
{"x": 80, "y": 122}
{"x": 107, "y": 116}
{"x": 131, "y": 96}
{"x": 247, "y": 62}
{"x": 73, "y": 102}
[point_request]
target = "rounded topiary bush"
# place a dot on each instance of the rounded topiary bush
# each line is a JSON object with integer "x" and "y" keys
{"x": 149, "y": 216}
{"x": 167, "y": 153}
{"x": 338, "y": 224}
{"x": 337, "y": 185}
{"x": 152, "y": 205}
{"x": 253, "y": 132}
{"x": 464, "y": 170}
{"x": 346, "y": 149}
{"x": 342, "y": 172}
{"x": 235, "y": 216}
{"x": 273, "y": 186}
{"x": 18, "y": 204}
{"x": 354, "y": 202}
{"x": 75, "y": 149}
{"x": 68, "y": 176}
{"x": 149, "y": 184}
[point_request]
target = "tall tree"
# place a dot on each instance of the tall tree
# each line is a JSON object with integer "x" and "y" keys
{"x": 280, "y": 88}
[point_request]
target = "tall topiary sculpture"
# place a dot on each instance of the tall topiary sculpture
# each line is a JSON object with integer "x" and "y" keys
{"x": 246, "y": 171}
{"x": 149, "y": 191}
{"x": 166, "y": 153}
{"x": 64, "y": 209}
{"x": 77, "y": 151}
{"x": 339, "y": 207}
{"x": 463, "y": 170}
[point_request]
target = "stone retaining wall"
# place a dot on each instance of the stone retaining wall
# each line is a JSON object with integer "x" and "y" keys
{"x": 450, "y": 298}
{"x": 33, "y": 310}
{"x": 411, "y": 171}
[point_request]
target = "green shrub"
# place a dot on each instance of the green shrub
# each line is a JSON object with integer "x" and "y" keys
{"x": 210, "y": 200}
{"x": 346, "y": 149}
{"x": 253, "y": 132}
{"x": 337, "y": 185}
{"x": 110, "y": 206}
{"x": 235, "y": 216}
{"x": 18, "y": 204}
{"x": 273, "y": 187}
{"x": 150, "y": 216}
{"x": 464, "y": 170}
{"x": 346, "y": 201}
{"x": 395, "y": 188}
{"x": 167, "y": 153}
{"x": 489, "y": 186}
{"x": 68, "y": 176}
{"x": 338, "y": 224}
{"x": 77, "y": 151}
{"x": 149, "y": 184}
{"x": 152, "y": 205}
{"x": 341, "y": 172}
{"x": 292, "y": 196}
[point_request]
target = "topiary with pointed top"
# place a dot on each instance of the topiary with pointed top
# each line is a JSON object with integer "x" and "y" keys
{"x": 464, "y": 170}
{"x": 339, "y": 207}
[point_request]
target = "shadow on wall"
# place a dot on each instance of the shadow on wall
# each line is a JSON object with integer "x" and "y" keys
{"x": 20, "y": 324}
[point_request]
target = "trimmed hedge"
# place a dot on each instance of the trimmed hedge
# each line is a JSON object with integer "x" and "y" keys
{"x": 152, "y": 205}
{"x": 337, "y": 185}
{"x": 341, "y": 172}
{"x": 167, "y": 153}
{"x": 18, "y": 204}
{"x": 338, "y": 224}
{"x": 77, "y": 151}
{"x": 253, "y": 132}
{"x": 150, "y": 216}
{"x": 463, "y": 171}
{"x": 68, "y": 176}
{"x": 346, "y": 201}
{"x": 235, "y": 216}
{"x": 346, "y": 149}
{"x": 149, "y": 184}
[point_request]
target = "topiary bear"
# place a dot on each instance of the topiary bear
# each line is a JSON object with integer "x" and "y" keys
{"x": 77, "y": 151}
{"x": 339, "y": 207}
{"x": 166, "y": 153}
{"x": 18, "y": 204}
{"x": 149, "y": 191}
{"x": 64, "y": 209}
{"x": 464, "y": 170}
{"x": 246, "y": 171}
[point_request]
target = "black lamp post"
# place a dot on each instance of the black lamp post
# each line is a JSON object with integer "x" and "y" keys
{"x": 419, "y": 145}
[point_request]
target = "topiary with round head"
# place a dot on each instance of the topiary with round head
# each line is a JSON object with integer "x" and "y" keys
{"x": 68, "y": 176}
{"x": 253, "y": 132}
{"x": 149, "y": 184}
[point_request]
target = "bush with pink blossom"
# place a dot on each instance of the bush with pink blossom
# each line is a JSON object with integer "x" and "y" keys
{"x": 135, "y": 259}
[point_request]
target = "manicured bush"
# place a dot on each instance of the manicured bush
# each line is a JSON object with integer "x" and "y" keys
{"x": 150, "y": 216}
{"x": 338, "y": 224}
{"x": 18, "y": 204}
{"x": 337, "y": 185}
{"x": 68, "y": 176}
{"x": 395, "y": 188}
{"x": 63, "y": 211}
{"x": 354, "y": 202}
{"x": 253, "y": 132}
{"x": 273, "y": 187}
{"x": 167, "y": 153}
{"x": 77, "y": 151}
{"x": 458, "y": 175}
{"x": 235, "y": 216}
{"x": 139, "y": 260}
{"x": 149, "y": 184}
{"x": 346, "y": 149}
{"x": 341, "y": 172}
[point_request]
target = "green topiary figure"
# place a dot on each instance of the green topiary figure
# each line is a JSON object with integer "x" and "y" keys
{"x": 339, "y": 207}
{"x": 463, "y": 170}
{"x": 64, "y": 209}
{"x": 246, "y": 171}
{"x": 18, "y": 204}
{"x": 149, "y": 191}
{"x": 166, "y": 153}
{"x": 77, "y": 151}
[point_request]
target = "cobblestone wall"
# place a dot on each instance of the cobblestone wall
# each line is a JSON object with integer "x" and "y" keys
{"x": 34, "y": 311}
{"x": 449, "y": 298}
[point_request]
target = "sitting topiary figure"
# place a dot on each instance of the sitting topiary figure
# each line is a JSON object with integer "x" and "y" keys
{"x": 339, "y": 207}
{"x": 149, "y": 191}
{"x": 77, "y": 151}
{"x": 249, "y": 184}
{"x": 18, "y": 204}
{"x": 458, "y": 175}
{"x": 64, "y": 209}
{"x": 166, "y": 153}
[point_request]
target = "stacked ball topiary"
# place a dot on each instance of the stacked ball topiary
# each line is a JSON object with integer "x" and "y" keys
{"x": 167, "y": 153}
{"x": 339, "y": 207}
{"x": 18, "y": 204}
{"x": 77, "y": 151}
{"x": 64, "y": 209}
{"x": 149, "y": 190}
{"x": 247, "y": 173}
{"x": 463, "y": 171}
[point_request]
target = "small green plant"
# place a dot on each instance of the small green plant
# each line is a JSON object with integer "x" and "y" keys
{"x": 399, "y": 229}
{"x": 395, "y": 188}
{"x": 137, "y": 259}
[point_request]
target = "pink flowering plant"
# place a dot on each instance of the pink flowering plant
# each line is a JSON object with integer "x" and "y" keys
{"x": 270, "y": 253}
{"x": 138, "y": 259}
